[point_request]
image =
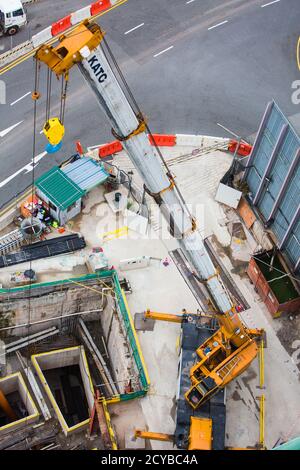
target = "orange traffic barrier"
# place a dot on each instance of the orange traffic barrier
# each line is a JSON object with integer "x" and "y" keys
{"x": 61, "y": 25}
{"x": 162, "y": 140}
{"x": 79, "y": 147}
{"x": 99, "y": 6}
{"x": 232, "y": 146}
{"x": 110, "y": 149}
{"x": 243, "y": 150}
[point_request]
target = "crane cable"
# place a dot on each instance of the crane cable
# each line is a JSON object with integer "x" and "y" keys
{"x": 35, "y": 96}
{"x": 63, "y": 93}
{"x": 48, "y": 94}
{"x": 63, "y": 96}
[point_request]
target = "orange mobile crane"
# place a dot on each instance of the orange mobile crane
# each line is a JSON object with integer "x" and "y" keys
{"x": 232, "y": 348}
{"x": 222, "y": 357}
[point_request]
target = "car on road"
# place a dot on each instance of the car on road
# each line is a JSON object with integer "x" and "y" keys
{"x": 12, "y": 16}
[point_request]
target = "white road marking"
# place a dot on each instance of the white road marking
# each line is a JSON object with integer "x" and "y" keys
{"x": 162, "y": 52}
{"x": 27, "y": 168}
{"x": 270, "y": 3}
{"x": 190, "y": 1}
{"x": 216, "y": 25}
{"x": 6, "y": 131}
{"x": 133, "y": 29}
{"x": 19, "y": 99}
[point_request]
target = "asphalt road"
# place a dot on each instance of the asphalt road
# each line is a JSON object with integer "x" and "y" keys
{"x": 223, "y": 61}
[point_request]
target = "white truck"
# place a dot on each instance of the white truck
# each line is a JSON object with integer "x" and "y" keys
{"x": 12, "y": 16}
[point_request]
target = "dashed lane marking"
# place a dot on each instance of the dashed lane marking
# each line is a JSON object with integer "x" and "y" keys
{"x": 217, "y": 25}
{"x": 135, "y": 28}
{"x": 27, "y": 168}
{"x": 21, "y": 98}
{"x": 270, "y": 3}
{"x": 6, "y": 131}
{"x": 162, "y": 52}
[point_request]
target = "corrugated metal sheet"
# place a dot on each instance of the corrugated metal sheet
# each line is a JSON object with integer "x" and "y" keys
{"x": 273, "y": 177}
{"x": 86, "y": 173}
{"x": 59, "y": 188}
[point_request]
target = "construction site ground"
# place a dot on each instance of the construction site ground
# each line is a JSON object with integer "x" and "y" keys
{"x": 161, "y": 288}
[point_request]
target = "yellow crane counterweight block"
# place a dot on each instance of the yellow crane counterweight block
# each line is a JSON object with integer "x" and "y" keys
{"x": 54, "y": 131}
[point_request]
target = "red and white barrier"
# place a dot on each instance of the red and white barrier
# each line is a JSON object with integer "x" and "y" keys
{"x": 244, "y": 149}
{"x": 169, "y": 140}
{"x": 65, "y": 23}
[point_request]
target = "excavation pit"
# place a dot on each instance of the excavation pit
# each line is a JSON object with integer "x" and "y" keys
{"x": 66, "y": 379}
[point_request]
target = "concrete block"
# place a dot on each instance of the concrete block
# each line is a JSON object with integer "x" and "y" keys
{"x": 228, "y": 196}
{"x": 143, "y": 324}
{"x": 42, "y": 37}
{"x": 120, "y": 206}
{"x": 80, "y": 15}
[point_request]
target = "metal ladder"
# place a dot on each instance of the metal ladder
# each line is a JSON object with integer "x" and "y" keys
{"x": 11, "y": 241}
{"x": 227, "y": 368}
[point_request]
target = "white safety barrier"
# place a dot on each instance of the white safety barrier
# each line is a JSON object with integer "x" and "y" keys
{"x": 57, "y": 28}
{"x": 42, "y": 37}
{"x": 200, "y": 140}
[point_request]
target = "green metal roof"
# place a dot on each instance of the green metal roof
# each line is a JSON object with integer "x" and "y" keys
{"x": 59, "y": 188}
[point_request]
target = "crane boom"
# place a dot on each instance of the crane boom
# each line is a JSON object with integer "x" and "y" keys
{"x": 84, "y": 47}
{"x": 98, "y": 73}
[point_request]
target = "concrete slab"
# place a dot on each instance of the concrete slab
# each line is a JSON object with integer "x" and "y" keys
{"x": 121, "y": 204}
{"x": 143, "y": 324}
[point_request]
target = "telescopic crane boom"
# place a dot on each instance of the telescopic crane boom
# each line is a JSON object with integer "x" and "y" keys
{"x": 84, "y": 47}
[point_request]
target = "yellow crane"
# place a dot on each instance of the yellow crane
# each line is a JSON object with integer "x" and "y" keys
{"x": 200, "y": 436}
{"x": 222, "y": 357}
{"x": 232, "y": 348}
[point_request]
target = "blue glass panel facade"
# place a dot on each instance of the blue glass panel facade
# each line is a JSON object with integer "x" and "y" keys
{"x": 279, "y": 199}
